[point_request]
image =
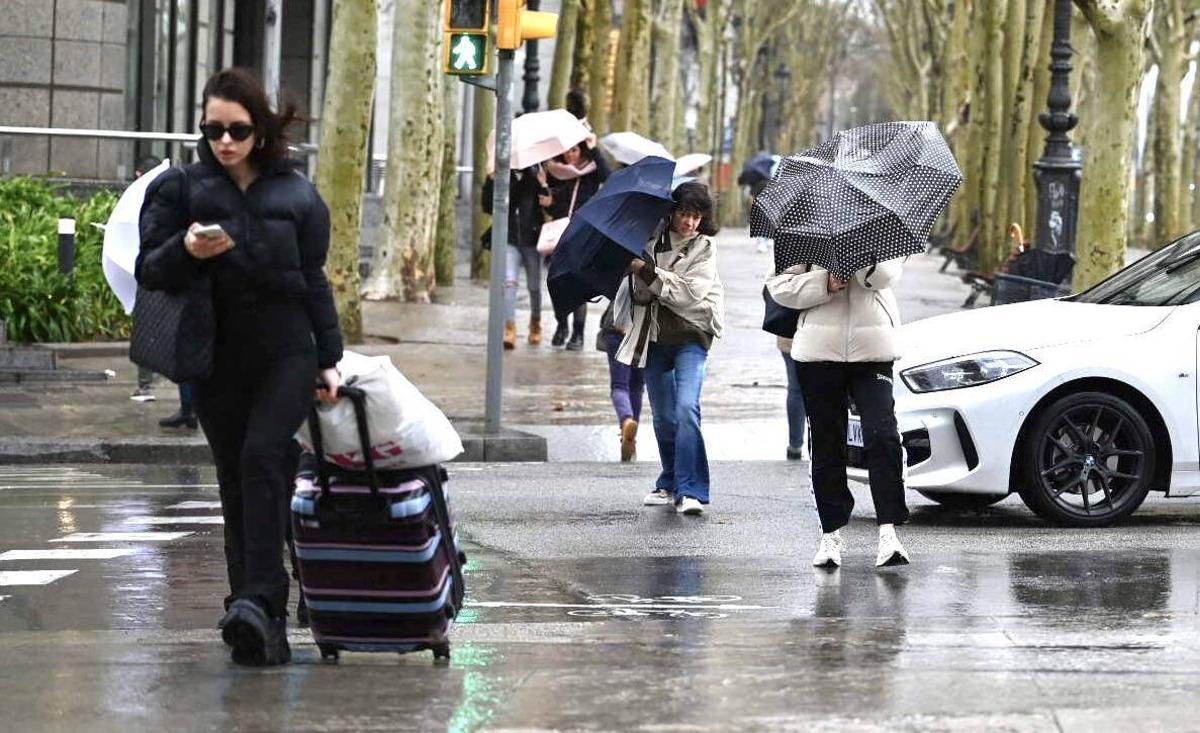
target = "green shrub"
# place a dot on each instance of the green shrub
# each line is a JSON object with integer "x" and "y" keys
{"x": 37, "y": 303}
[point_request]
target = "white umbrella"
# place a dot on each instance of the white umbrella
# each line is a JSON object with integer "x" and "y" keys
{"x": 540, "y": 136}
{"x": 629, "y": 147}
{"x": 691, "y": 162}
{"x": 122, "y": 239}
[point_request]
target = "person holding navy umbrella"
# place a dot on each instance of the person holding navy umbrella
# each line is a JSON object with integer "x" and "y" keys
{"x": 672, "y": 308}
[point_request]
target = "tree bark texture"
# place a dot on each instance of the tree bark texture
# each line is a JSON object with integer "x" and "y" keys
{"x": 992, "y": 240}
{"x": 581, "y": 61}
{"x": 403, "y": 265}
{"x": 483, "y": 122}
{"x": 667, "y": 83}
{"x": 447, "y": 220}
{"x": 342, "y": 165}
{"x": 1169, "y": 43}
{"x": 631, "y": 109}
{"x": 1019, "y": 157}
{"x": 1120, "y": 31}
{"x": 598, "y": 76}
{"x": 564, "y": 54}
{"x": 1036, "y": 137}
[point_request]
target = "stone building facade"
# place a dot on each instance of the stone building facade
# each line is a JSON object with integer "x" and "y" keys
{"x": 135, "y": 65}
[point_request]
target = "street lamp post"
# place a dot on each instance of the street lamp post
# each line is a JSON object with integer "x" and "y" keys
{"x": 529, "y": 97}
{"x": 1060, "y": 169}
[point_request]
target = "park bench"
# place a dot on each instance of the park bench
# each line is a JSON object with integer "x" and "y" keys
{"x": 965, "y": 255}
{"x": 1029, "y": 273}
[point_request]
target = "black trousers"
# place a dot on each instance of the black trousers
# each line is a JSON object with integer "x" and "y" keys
{"x": 827, "y": 388}
{"x": 250, "y": 409}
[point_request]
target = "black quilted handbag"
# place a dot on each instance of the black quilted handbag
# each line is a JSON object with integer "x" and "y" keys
{"x": 173, "y": 333}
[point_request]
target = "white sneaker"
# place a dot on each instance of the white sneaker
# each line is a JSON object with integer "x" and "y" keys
{"x": 829, "y": 552}
{"x": 142, "y": 394}
{"x": 891, "y": 552}
{"x": 658, "y": 497}
{"x": 689, "y": 507}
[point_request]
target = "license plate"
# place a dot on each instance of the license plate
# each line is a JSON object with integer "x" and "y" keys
{"x": 854, "y": 434}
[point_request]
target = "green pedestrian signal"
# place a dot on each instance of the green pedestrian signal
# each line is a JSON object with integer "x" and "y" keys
{"x": 467, "y": 53}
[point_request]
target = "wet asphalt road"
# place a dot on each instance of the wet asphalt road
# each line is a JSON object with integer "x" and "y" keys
{"x": 588, "y": 612}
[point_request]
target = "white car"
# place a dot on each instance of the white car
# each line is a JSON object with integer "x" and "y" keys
{"x": 1083, "y": 405}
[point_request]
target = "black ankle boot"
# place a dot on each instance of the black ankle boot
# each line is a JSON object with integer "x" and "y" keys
{"x": 256, "y": 639}
{"x": 576, "y": 342}
{"x": 178, "y": 420}
{"x": 560, "y": 334}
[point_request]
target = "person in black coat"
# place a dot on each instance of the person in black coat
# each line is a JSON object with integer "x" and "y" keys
{"x": 277, "y": 331}
{"x": 573, "y": 178}
{"x": 524, "y": 228}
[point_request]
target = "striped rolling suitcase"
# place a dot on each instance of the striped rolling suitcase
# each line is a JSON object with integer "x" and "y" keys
{"x": 379, "y": 564}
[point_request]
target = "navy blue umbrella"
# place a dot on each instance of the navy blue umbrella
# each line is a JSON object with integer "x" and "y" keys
{"x": 608, "y": 232}
{"x": 759, "y": 167}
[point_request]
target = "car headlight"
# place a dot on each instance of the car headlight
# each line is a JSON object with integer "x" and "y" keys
{"x": 966, "y": 371}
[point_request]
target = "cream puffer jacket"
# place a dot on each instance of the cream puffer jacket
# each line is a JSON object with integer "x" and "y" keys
{"x": 856, "y": 324}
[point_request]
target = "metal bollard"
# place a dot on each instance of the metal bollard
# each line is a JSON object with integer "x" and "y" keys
{"x": 66, "y": 246}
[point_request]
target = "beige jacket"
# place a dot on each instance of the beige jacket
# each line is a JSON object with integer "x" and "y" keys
{"x": 686, "y": 282}
{"x": 856, "y": 324}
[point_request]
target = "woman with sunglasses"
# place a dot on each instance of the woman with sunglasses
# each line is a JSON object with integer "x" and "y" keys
{"x": 276, "y": 331}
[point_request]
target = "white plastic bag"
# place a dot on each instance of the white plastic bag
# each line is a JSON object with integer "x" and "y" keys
{"x": 407, "y": 430}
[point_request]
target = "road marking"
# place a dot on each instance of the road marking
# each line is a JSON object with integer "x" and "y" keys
{"x": 122, "y": 537}
{"x": 196, "y": 505}
{"x": 102, "y": 554}
{"x": 4, "y": 598}
{"x": 32, "y": 577}
{"x": 651, "y": 606}
{"x": 176, "y": 520}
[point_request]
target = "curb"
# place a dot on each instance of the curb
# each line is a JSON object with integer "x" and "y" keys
{"x": 505, "y": 447}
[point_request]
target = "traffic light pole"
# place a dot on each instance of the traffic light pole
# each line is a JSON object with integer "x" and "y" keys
{"x": 500, "y": 203}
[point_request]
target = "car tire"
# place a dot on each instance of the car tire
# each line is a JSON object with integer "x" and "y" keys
{"x": 957, "y": 500}
{"x": 1087, "y": 461}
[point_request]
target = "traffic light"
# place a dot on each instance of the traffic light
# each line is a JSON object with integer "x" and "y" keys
{"x": 468, "y": 51}
{"x": 515, "y": 24}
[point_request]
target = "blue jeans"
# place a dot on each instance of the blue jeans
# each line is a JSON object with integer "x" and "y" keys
{"x": 527, "y": 259}
{"x": 795, "y": 403}
{"x": 674, "y": 376}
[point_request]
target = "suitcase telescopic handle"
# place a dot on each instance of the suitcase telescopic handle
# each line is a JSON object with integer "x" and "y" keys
{"x": 358, "y": 398}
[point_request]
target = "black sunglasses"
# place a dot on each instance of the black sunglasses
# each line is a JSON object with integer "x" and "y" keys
{"x": 214, "y": 131}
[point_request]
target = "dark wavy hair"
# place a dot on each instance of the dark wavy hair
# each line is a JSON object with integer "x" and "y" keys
{"x": 584, "y": 151}
{"x": 694, "y": 197}
{"x": 240, "y": 85}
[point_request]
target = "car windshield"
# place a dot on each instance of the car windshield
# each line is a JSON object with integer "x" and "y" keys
{"x": 1170, "y": 276}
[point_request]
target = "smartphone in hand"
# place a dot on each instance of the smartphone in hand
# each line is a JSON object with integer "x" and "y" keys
{"x": 212, "y": 231}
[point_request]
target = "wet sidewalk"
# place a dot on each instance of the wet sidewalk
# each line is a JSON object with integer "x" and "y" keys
{"x": 561, "y": 396}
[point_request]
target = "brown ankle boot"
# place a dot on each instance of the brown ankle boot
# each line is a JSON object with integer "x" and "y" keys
{"x": 535, "y": 332}
{"x": 510, "y": 335}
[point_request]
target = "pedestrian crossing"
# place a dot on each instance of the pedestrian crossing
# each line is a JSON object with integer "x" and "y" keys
{"x": 103, "y": 554}
{"x": 109, "y": 544}
{"x": 176, "y": 520}
{"x": 123, "y": 537}
{"x": 32, "y": 577}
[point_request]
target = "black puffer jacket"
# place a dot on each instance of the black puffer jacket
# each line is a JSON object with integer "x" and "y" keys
{"x": 270, "y": 291}
{"x": 524, "y": 214}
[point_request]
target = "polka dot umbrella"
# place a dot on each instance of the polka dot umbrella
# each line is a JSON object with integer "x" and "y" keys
{"x": 866, "y": 195}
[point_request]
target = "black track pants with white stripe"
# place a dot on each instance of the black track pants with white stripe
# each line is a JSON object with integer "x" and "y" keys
{"x": 828, "y": 388}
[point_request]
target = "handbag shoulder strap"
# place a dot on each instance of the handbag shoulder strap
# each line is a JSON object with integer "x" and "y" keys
{"x": 574, "y": 193}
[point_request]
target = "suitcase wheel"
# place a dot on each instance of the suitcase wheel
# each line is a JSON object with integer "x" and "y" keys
{"x": 329, "y": 653}
{"x": 441, "y": 651}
